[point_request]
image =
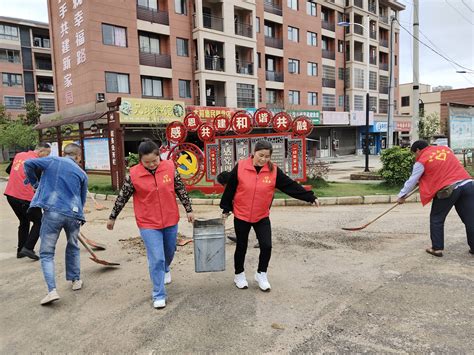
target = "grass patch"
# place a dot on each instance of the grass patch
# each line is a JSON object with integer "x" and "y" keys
{"x": 3, "y": 166}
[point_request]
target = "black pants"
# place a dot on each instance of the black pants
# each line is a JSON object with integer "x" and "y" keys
{"x": 263, "y": 230}
{"x": 26, "y": 237}
{"x": 462, "y": 199}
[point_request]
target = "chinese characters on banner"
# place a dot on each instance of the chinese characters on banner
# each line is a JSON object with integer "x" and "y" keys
{"x": 282, "y": 122}
{"x": 242, "y": 122}
{"x": 192, "y": 121}
{"x": 176, "y": 132}
{"x": 206, "y": 132}
{"x": 302, "y": 126}
{"x": 73, "y": 39}
{"x": 263, "y": 117}
{"x": 221, "y": 124}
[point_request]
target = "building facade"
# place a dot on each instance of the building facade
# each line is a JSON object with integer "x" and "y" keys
{"x": 25, "y": 65}
{"x": 280, "y": 54}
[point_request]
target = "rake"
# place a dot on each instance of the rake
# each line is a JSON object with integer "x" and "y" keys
{"x": 379, "y": 216}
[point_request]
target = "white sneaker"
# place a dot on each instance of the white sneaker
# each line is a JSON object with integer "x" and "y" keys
{"x": 241, "y": 281}
{"x": 76, "y": 285}
{"x": 167, "y": 277}
{"x": 50, "y": 297}
{"x": 159, "y": 303}
{"x": 261, "y": 278}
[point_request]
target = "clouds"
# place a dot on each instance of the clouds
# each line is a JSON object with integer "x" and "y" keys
{"x": 36, "y": 10}
{"x": 450, "y": 33}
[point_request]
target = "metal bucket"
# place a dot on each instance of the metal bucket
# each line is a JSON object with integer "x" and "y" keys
{"x": 209, "y": 245}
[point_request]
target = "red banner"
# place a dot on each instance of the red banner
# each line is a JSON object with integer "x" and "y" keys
{"x": 262, "y": 117}
{"x": 206, "y": 113}
{"x": 192, "y": 121}
{"x": 213, "y": 160}
{"x": 221, "y": 124}
{"x": 282, "y": 122}
{"x": 176, "y": 132}
{"x": 242, "y": 122}
{"x": 206, "y": 132}
{"x": 294, "y": 159}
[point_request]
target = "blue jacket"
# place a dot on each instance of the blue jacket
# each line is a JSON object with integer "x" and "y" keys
{"x": 62, "y": 188}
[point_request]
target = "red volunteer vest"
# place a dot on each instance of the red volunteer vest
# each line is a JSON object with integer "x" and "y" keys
{"x": 442, "y": 168}
{"x": 254, "y": 193}
{"x": 154, "y": 199}
{"x": 16, "y": 187}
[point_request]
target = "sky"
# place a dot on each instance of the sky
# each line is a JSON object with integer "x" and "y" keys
{"x": 447, "y": 26}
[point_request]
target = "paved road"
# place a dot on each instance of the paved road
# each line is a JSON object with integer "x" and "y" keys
{"x": 332, "y": 291}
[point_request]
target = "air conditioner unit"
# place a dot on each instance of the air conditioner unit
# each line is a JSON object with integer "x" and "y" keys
{"x": 100, "y": 97}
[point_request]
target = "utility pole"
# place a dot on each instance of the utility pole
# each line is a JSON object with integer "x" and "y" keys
{"x": 416, "y": 73}
{"x": 391, "y": 87}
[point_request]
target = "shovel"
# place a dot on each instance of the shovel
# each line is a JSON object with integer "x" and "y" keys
{"x": 94, "y": 257}
{"x": 93, "y": 244}
{"x": 379, "y": 216}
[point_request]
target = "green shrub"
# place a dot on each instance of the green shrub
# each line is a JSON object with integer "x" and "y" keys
{"x": 132, "y": 159}
{"x": 397, "y": 165}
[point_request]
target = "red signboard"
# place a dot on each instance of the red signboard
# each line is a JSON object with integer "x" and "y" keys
{"x": 176, "y": 132}
{"x": 212, "y": 160}
{"x": 221, "y": 124}
{"x": 242, "y": 122}
{"x": 281, "y": 122}
{"x": 403, "y": 126}
{"x": 302, "y": 126}
{"x": 192, "y": 121}
{"x": 263, "y": 117}
{"x": 189, "y": 161}
{"x": 294, "y": 158}
{"x": 206, "y": 132}
{"x": 206, "y": 113}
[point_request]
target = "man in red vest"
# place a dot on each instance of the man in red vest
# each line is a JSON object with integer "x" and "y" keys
{"x": 442, "y": 179}
{"x": 19, "y": 197}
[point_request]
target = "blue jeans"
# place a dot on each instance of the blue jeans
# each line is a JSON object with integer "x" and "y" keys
{"x": 51, "y": 225}
{"x": 160, "y": 247}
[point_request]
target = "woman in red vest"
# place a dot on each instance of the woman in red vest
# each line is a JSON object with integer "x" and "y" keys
{"x": 442, "y": 179}
{"x": 154, "y": 184}
{"x": 19, "y": 197}
{"x": 249, "y": 195}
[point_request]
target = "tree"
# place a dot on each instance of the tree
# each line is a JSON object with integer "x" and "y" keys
{"x": 33, "y": 113}
{"x": 428, "y": 126}
{"x": 4, "y": 115}
{"x": 16, "y": 133}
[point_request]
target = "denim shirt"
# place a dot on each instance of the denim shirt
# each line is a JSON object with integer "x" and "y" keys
{"x": 62, "y": 188}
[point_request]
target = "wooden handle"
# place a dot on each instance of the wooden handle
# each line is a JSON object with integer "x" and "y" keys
{"x": 86, "y": 246}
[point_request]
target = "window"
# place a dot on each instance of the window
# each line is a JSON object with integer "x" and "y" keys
{"x": 257, "y": 25}
{"x": 9, "y": 56}
{"x": 150, "y": 4}
{"x": 340, "y": 17}
{"x": 184, "y": 88}
{"x": 383, "y": 106}
{"x": 341, "y": 101}
{"x": 329, "y": 101}
{"x": 405, "y": 101}
{"x": 293, "y": 66}
{"x": 269, "y": 31}
{"x": 293, "y": 34}
{"x": 372, "y": 80}
{"x": 294, "y": 97}
{"x": 396, "y": 37}
{"x": 329, "y": 72}
{"x": 114, "y": 35}
{"x": 271, "y": 96}
{"x": 270, "y": 64}
{"x": 259, "y": 59}
{"x": 259, "y": 94}
{"x": 347, "y": 78}
{"x": 312, "y": 38}
{"x": 8, "y": 32}
{"x": 245, "y": 95}
{"x": 180, "y": 7}
{"x": 117, "y": 83}
{"x": 9, "y": 79}
{"x": 340, "y": 73}
{"x": 340, "y": 46}
{"x": 293, "y": 4}
{"x": 312, "y": 69}
{"x": 41, "y": 41}
{"x": 312, "y": 98}
{"x": 358, "y": 102}
{"x": 311, "y": 8}
{"x": 152, "y": 86}
{"x": 373, "y": 103}
{"x": 47, "y": 105}
{"x": 358, "y": 78}
{"x": 396, "y": 60}
{"x": 149, "y": 43}
{"x": 14, "y": 102}
{"x": 182, "y": 47}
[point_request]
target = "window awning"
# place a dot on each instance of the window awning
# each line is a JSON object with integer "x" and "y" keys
{"x": 70, "y": 120}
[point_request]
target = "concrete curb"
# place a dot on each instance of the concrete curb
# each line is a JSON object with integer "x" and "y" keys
{"x": 324, "y": 201}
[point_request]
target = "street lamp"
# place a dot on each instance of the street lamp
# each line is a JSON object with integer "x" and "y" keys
{"x": 367, "y": 97}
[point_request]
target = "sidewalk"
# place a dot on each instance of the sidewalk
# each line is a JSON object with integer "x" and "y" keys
{"x": 340, "y": 168}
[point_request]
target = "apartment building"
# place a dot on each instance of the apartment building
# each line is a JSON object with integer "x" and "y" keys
{"x": 281, "y": 54}
{"x": 25, "y": 65}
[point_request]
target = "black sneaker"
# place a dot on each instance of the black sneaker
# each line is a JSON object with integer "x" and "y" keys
{"x": 233, "y": 239}
{"x": 19, "y": 256}
{"x": 29, "y": 253}
{"x": 471, "y": 251}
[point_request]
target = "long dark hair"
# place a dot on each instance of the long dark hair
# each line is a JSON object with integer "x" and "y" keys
{"x": 264, "y": 145}
{"x": 147, "y": 146}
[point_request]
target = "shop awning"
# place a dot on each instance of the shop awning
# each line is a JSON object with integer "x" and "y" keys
{"x": 70, "y": 120}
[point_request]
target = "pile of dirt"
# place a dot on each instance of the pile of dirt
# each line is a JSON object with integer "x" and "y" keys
{"x": 134, "y": 245}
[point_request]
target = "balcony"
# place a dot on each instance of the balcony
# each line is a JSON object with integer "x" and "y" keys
{"x": 273, "y": 8}
{"x": 215, "y": 101}
{"x": 372, "y": 7}
{"x": 329, "y": 83}
{"x": 373, "y": 34}
{"x": 243, "y": 29}
{"x": 359, "y": 30}
{"x": 383, "y": 66}
{"x": 213, "y": 22}
{"x": 383, "y": 42}
{"x": 274, "y": 42}
{"x": 328, "y": 54}
{"x": 359, "y": 56}
{"x": 44, "y": 84}
{"x": 274, "y": 76}
{"x": 328, "y": 25}
{"x": 215, "y": 63}
{"x": 151, "y": 15}
{"x": 155, "y": 60}
{"x": 243, "y": 67}
{"x": 384, "y": 19}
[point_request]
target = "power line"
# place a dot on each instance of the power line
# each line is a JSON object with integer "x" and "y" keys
{"x": 467, "y": 6}
{"x": 459, "y": 12}
{"x": 433, "y": 50}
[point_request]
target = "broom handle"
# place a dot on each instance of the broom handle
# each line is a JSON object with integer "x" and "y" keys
{"x": 86, "y": 246}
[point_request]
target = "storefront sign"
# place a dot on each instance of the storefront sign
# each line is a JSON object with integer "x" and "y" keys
{"x": 150, "y": 111}
{"x": 332, "y": 117}
{"x": 206, "y": 113}
{"x": 402, "y": 126}
{"x": 192, "y": 121}
{"x": 358, "y": 118}
{"x": 379, "y": 127}
{"x": 313, "y": 115}
{"x": 282, "y": 122}
{"x": 176, "y": 132}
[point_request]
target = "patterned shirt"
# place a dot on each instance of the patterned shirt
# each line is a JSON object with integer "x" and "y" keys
{"x": 128, "y": 189}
